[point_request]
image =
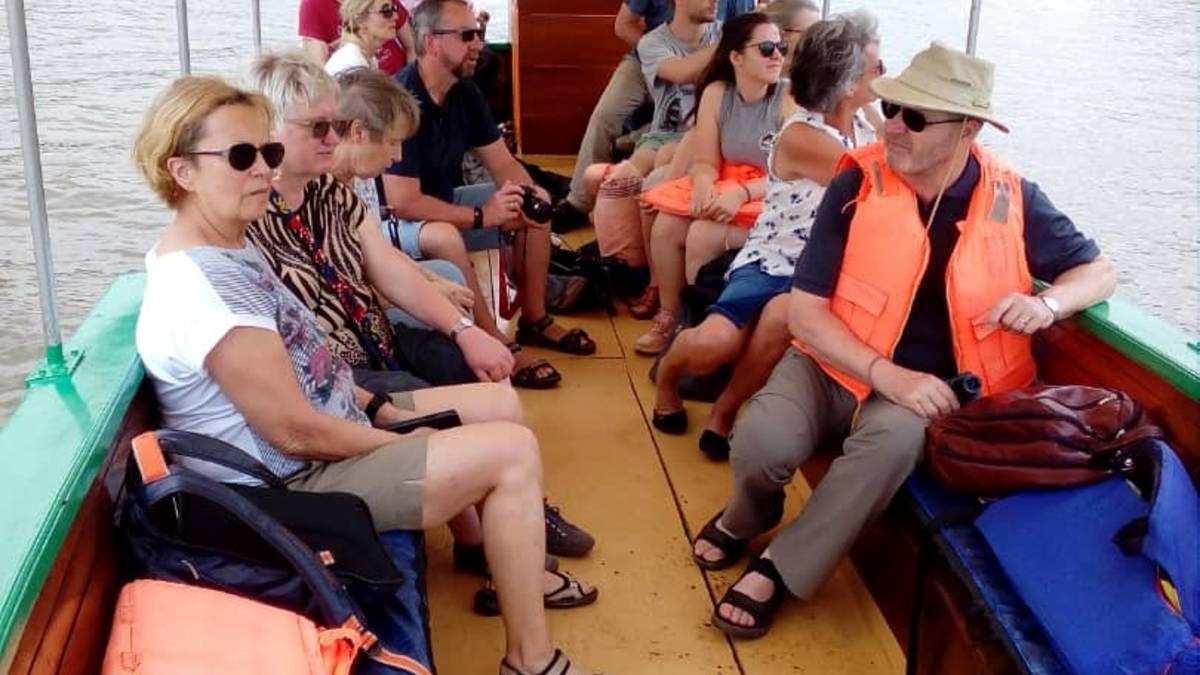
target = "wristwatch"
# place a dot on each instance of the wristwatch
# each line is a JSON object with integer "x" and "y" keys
{"x": 1055, "y": 307}
{"x": 463, "y": 323}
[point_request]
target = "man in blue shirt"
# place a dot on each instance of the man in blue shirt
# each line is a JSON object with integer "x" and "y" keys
{"x": 425, "y": 192}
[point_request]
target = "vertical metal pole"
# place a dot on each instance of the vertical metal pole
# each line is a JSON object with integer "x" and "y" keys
{"x": 825, "y": 9}
{"x": 973, "y": 27}
{"x": 181, "y": 29}
{"x": 256, "y": 18}
{"x": 36, "y": 193}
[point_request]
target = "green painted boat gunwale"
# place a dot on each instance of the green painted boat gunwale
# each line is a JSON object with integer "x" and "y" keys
{"x": 54, "y": 445}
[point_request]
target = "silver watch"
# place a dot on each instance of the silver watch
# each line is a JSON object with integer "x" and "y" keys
{"x": 463, "y": 323}
{"x": 1053, "y": 305}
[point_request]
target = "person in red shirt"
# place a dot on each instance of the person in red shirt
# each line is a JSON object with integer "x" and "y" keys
{"x": 320, "y": 29}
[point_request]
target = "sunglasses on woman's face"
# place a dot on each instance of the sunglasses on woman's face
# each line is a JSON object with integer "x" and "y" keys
{"x": 387, "y": 11}
{"x": 913, "y": 119}
{"x": 320, "y": 128}
{"x": 464, "y": 34}
{"x": 241, "y": 156}
{"x": 767, "y": 48}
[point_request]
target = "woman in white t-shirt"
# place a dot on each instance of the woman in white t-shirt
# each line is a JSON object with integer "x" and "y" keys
{"x": 234, "y": 355}
{"x": 366, "y": 26}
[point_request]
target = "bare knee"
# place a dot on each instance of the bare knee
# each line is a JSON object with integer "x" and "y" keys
{"x": 711, "y": 345}
{"x": 669, "y": 230}
{"x": 517, "y": 453}
{"x": 505, "y": 403}
{"x": 443, "y": 240}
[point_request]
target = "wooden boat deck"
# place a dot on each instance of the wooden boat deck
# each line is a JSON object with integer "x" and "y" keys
{"x": 643, "y": 495}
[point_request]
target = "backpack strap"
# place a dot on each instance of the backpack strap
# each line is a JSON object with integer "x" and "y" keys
{"x": 177, "y": 443}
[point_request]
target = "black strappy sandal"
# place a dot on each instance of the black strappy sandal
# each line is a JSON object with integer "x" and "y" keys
{"x": 575, "y": 341}
{"x": 569, "y": 594}
{"x": 762, "y": 612}
{"x": 537, "y": 374}
{"x": 732, "y": 547}
{"x": 559, "y": 665}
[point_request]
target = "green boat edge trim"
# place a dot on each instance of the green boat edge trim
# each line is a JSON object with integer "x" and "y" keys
{"x": 54, "y": 445}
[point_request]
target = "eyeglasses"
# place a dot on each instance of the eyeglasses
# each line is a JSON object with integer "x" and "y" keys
{"x": 241, "y": 156}
{"x": 913, "y": 119}
{"x": 464, "y": 34}
{"x": 320, "y": 128}
{"x": 387, "y": 11}
{"x": 767, "y": 48}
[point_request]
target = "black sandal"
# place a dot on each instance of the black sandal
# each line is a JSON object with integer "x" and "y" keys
{"x": 534, "y": 375}
{"x": 762, "y": 612}
{"x": 732, "y": 547}
{"x": 575, "y": 341}
{"x": 569, "y": 594}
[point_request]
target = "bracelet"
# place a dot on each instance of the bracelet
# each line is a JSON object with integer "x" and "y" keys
{"x": 478, "y": 222}
{"x": 749, "y": 197}
{"x": 870, "y": 367}
{"x": 377, "y": 401}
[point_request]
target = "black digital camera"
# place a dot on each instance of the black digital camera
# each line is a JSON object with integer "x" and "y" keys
{"x": 534, "y": 207}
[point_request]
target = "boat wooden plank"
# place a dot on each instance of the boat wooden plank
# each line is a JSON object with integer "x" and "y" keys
{"x": 840, "y": 630}
{"x": 602, "y": 469}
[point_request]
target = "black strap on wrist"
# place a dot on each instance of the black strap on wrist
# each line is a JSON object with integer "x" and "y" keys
{"x": 478, "y": 223}
{"x": 377, "y": 401}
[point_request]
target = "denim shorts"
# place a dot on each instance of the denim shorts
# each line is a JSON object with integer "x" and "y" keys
{"x": 748, "y": 290}
{"x": 406, "y": 234}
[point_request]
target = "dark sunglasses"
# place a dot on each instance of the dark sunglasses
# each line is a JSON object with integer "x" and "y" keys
{"x": 767, "y": 48}
{"x": 241, "y": 156}
{"x": 320, "y": 128}
{"x": 913, "y": 119}
{"x": 464, "y": 34}
{"x": 387, "y": 11}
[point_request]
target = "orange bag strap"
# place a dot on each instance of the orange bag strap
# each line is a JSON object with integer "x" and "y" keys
{"x": 353, "y": 634}
{"x": 148, "y": 455}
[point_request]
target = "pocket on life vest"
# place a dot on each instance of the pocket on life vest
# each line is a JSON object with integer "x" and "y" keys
{"x": 1001, "y": 352}
{"x": 861, "y": 304}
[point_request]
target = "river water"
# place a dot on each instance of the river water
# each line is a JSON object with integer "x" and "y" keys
{"x": 1102, "y": 97}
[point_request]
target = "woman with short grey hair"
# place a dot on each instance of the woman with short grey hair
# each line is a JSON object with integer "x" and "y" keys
{"x": 793, "y": 17}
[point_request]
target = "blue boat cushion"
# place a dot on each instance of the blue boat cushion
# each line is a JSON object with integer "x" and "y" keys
{"x": 1102, "y": 609}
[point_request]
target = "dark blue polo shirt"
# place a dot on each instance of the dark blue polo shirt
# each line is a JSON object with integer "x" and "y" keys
{"x": 435, "y": 153}
{"x": 1052, "y": 246}
{"x": 655, "y": 12}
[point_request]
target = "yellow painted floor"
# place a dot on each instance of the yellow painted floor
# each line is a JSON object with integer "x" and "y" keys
{"x": 643, "y": 495}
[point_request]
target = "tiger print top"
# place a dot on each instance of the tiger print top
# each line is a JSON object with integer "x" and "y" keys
{"x": 333, "y": 212}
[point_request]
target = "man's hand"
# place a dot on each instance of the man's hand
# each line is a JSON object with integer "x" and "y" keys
{"x": 461, "y": 296}
{"x": 487, "y": 356}
{"x": 922, "y": 393}
{"x": 1021, "y": 313}
{"x": 726, "y": 205}
{"x": 504, "y": 207}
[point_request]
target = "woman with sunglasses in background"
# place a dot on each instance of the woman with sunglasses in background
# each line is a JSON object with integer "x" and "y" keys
{"x": 740, "y": 103}
{"x": 366, "y": 26}
{"x": 829, "y": 82}
{"x": 233, "y": 354}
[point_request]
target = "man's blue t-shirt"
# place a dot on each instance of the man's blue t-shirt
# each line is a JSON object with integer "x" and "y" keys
{"x": 727, "y": 9}
{"x": 655, "y": 12}
{"x": 435, "y": 153}
{"x": 1052, "y": 246}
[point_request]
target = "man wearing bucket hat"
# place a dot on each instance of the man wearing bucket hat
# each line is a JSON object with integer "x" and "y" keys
{"x": 920, "y": 266}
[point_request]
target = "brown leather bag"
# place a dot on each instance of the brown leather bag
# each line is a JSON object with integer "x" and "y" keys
{"x": 1036, "y": 437}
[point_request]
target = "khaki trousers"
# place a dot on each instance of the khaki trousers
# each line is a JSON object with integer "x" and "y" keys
{"x": 798, "y": 410}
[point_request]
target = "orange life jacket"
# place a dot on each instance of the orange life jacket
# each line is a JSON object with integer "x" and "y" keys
{"x": 887, "y": 251}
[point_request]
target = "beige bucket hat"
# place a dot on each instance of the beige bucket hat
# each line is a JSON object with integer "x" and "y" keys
{"x": 945, "y": 79}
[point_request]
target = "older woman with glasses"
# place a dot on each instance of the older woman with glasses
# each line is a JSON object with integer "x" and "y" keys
{"x": 793, "y": 17}
{"x": 233, "y": 354}
{"x": 366, "y": 26}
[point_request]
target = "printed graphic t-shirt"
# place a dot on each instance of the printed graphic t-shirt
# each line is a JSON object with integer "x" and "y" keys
{"x": 672, "y": 101}
{"x": 193, "y": 299}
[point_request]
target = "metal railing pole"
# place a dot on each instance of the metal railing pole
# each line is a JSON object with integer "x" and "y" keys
{"x": 973, "y": 26}
{"x": 181, "y": 29}
{"x": 38, "y": 223}
{"x": 256, "y": 19}
{"x": 825, "y": 9}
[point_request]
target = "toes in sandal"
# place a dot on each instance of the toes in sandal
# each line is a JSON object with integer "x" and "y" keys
{"x": 762, "y": 612}
{"x": 537, "y": 374}
{"x": 674, "y": 422}
{"x": 731, "y": 547}
{"x": 574, "y": 341}
{"x": 569, "y": 594}
{"x": 559, "y": 665}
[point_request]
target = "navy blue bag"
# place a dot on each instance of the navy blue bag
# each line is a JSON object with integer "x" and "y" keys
{"x": 187, "y": 528}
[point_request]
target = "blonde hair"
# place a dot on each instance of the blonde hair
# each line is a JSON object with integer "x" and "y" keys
{"x": 375, "y": 99}
{"x": 289, "y": 78}
{"x": 351, "y": 11}
{"x": 175, "y": 123}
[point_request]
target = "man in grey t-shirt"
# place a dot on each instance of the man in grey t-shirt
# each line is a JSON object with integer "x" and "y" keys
{"x": 673, "y": 57}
